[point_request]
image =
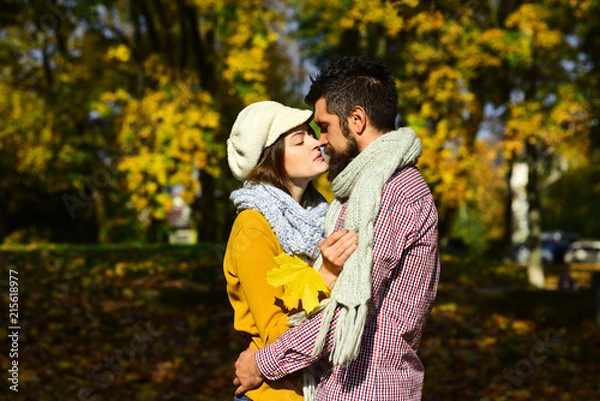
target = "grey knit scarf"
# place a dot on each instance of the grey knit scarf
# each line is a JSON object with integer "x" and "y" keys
{"x": 362, "y": 182}
{"x": 298, "y": 229}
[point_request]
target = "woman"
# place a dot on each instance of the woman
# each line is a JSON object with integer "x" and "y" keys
{"x": 274, "y": 151}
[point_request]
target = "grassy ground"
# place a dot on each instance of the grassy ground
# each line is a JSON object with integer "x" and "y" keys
{"x": 153, "y": 323}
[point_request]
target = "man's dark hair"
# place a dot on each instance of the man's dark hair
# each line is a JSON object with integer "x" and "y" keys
{"x": 357, "y": 81}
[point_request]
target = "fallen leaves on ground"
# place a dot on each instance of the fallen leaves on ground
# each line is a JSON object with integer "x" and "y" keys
{"x": 157, "y": 325}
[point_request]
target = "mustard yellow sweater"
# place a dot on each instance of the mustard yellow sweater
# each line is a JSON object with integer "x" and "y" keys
{"x": 249, "y": 256}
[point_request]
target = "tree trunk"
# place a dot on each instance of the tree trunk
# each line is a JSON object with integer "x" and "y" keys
{"x": 206, "y": 207}
{"x": 445, "y": 225}
{"x": 535, "y": 270}
{"x": 381, "y": 47}
{"x": 507, "y": 242}
{"x": 154, "y": 232}
{"x": 59, "y": 16}
{"x": 166, "y": 32}
{"x": 202, "y": 63}
{"x": 4, "y": 215}
{"x": 155, "y": 43}
{"x": 137, "y": 50}
{"x": 183, "y": 60}
{"x": 46, "y": 63}
{"x": 101, "y": 217}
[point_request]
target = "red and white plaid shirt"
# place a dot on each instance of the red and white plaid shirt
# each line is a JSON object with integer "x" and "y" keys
{"x": 406, "y": 270}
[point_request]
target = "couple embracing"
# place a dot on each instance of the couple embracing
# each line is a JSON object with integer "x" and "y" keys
{"x": 373, "y": 250}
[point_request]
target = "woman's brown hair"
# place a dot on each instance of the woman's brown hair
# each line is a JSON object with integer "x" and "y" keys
{"x": 271, "y": 170}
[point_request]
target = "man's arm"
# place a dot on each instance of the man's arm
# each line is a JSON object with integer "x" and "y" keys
{"x": 247, "y": 375}
{"x": 297, "y": 344}
{"x": 292, "y": 351}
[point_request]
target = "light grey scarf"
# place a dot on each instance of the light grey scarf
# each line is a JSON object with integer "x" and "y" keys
{"x": 362, "y": 182}
{"x": 298, "y": 229}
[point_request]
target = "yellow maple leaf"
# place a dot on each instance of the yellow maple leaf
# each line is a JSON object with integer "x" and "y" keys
{"x": 301, "y": 283}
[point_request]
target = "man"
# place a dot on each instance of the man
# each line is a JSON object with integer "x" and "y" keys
{"x": 371, "y": 327}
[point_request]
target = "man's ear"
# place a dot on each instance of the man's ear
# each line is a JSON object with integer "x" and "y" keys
{"x": 357, "y": 120}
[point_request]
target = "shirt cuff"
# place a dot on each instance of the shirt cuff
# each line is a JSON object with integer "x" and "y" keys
{"x": 267, "y": 363}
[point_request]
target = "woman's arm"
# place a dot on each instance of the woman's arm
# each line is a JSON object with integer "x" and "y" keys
{"x": 253, "y": 248}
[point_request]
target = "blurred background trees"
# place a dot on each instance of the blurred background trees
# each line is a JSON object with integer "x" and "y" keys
{"x": 112, "y": 109}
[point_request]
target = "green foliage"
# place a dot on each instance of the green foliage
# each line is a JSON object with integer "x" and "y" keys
{"x": 571, "y": 203}
{"x": 469, "y": 227}
{"x": 462, "y": 272}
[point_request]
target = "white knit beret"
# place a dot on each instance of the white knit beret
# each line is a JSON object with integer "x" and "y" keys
{"x": 257, "y": 127}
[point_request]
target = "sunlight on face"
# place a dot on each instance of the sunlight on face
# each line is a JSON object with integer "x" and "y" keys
{"x": 303, "y": 160}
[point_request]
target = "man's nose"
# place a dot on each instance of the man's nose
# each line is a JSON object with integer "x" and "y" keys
{"x": 318, "y": 142}
{"x": 323, "y": 140}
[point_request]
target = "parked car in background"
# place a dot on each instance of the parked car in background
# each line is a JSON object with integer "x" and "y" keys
{"x": 554, "y": 247}
{"x": 583, "y": 251}
{"x": 551, "y": 252}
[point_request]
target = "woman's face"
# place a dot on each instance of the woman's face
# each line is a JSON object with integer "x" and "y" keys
{"x": 303, "y": 160}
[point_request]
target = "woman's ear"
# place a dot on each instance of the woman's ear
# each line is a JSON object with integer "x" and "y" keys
{"x": 357, "y": 120}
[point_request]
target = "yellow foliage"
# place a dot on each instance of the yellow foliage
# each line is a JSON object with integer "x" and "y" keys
{"x": 302, "y": 284}
{"x": 365, "y": 12}
{"x": 447, "y": 307}
{"x": 253, "y": 31}
{"x": 323, "y": 185}
{"x": 166, "y": 135}
{"x": 120, "y": 53}
{"x": 28, "y": 128}
{"x": 452, "y": 33}
{"x": 486, "y": 342}
{"x": 426, "y": 22}
{"x": 530, "y": 20}
{"x": 522, "y": 326}
{"x": 495, "y": 38}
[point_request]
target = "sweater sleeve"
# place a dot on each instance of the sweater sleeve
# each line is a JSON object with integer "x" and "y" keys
{"x": 253, "y": 247}
{"x": 294, "y": 349}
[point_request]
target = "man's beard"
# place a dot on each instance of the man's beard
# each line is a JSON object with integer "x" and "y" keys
{"x": 338, "y": 160}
